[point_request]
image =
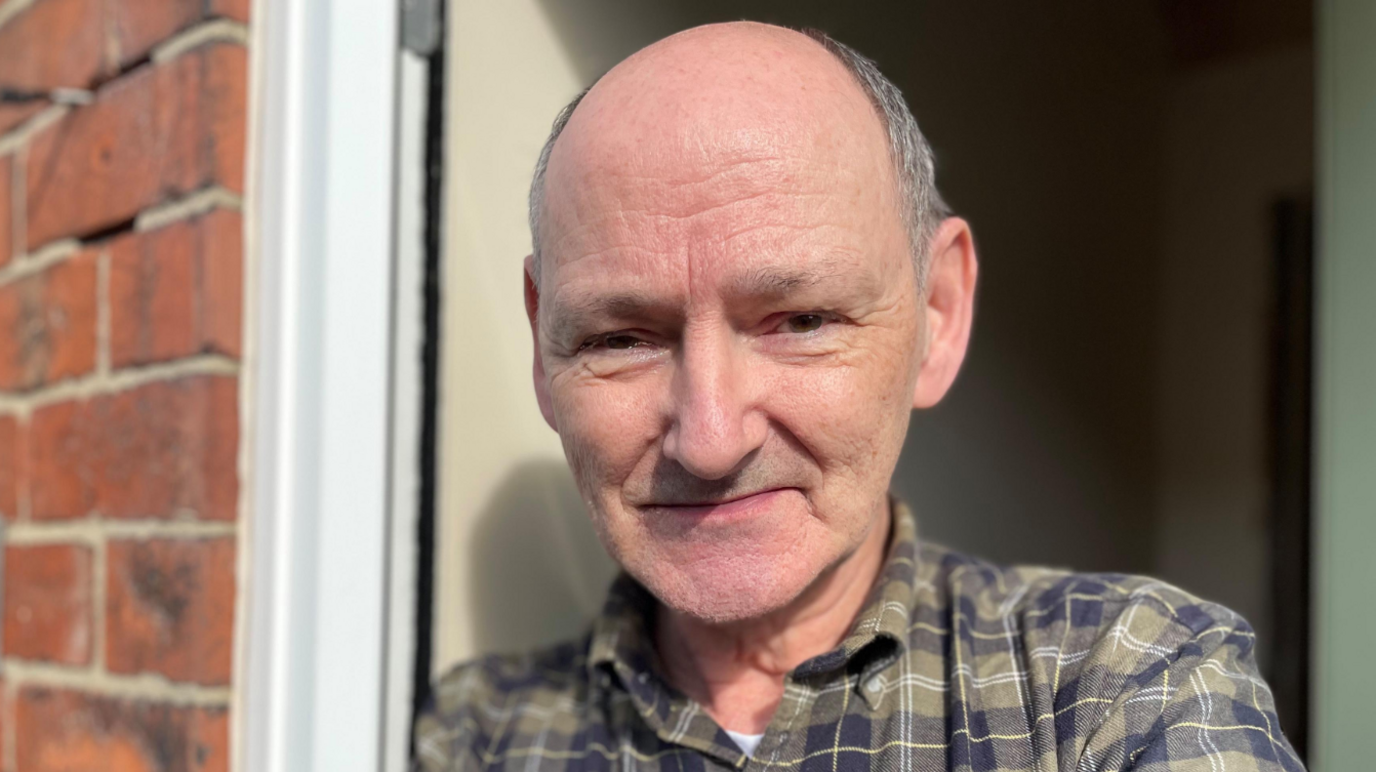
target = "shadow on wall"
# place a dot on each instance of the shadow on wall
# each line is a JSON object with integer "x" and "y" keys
{"x": 539, "y": 573}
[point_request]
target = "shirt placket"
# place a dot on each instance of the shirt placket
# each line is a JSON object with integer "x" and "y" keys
{"x": 790, "y": 719}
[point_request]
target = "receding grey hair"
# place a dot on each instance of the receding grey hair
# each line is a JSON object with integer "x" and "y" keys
{"x": 923, "y": 209}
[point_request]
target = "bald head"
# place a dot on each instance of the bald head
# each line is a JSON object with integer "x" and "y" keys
{"x": 721, "y": 96}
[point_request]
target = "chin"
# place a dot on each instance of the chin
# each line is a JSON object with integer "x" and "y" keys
{"x": 727, "y": 590}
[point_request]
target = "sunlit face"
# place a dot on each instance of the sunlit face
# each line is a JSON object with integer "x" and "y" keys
{"x": 728, "y": 326}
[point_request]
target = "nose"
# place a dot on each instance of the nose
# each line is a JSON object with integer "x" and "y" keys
{"x": 716, "y": 422}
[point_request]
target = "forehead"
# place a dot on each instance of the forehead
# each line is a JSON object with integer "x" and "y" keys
{"x": 720, "y": 155}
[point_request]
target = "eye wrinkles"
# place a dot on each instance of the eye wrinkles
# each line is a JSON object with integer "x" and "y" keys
{"x": 802, "y": 300}
{"x": 800, "y": 324}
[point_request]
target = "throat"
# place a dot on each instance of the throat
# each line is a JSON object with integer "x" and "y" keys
{"x": 737, "y": 672}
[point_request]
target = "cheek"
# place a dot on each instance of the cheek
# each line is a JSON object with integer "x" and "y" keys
{"x": 605, "y": 427}
{"x": 847, "y": 416}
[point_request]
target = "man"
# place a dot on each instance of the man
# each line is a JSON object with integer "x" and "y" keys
{"x": 743, "y": 281}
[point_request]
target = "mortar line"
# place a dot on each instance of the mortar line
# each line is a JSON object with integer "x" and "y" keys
{"x": 19, "y": 136}
{"x": 103, "y": 302}
{"x": 97, "y": 385}
{"x": 11, "y": 10}
{"x": 193, "y": 204}
{"x": 24, "y": 489}
{"x": 98, "y": 568}
{"x": 212, "y": 31}
{"x": 146, "y": 687}
{"x": 28, "y": 264}
{"x": 92, "y": 530}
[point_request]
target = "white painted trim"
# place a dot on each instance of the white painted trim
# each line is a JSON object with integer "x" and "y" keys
{"x": 317, "y": 372}
{"x": 408, "y": 335}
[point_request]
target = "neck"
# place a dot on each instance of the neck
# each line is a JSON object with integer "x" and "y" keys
{"x": 736, "y": 671}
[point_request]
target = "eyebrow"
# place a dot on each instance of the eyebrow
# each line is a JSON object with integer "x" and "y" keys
{"x": 774, "y": 283}
{"x": 575, "y": 312}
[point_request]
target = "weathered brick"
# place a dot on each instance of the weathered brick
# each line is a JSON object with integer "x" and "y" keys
{"x": 48, "y": 603}
{"x": 58, "y": 459}
{"x": 75, "y": 732}
{"x": 226, "y": 104}
{"x": 138, "y": 25}
{"x": 155, "y": 134}
{"x": 6, "y": 208}
{"x": 171, "y": 608}
{"x": 51, "y": 44}
{"x": 177, "y": 291}
{"x": 9, "y": 466}
{"x": 48, "y": 324}
{"x": 159, "y": 450}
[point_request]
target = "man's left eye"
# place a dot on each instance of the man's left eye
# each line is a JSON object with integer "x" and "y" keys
{"x": 801, "y": 323}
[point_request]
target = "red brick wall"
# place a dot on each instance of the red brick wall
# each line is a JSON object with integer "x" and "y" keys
{"x": 120, "y": 309}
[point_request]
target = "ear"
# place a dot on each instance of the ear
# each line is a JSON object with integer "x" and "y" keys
{"x": 538, "y": 369}
{"x": 949, "y": 308}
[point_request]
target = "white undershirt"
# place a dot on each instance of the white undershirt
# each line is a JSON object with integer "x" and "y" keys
{"x": 747, "y": 742}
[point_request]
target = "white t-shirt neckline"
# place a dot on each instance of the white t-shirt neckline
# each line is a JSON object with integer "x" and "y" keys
{"x": 747, "y": 742}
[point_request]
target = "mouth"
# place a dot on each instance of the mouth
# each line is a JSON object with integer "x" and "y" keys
{"x": 739, "y": 506}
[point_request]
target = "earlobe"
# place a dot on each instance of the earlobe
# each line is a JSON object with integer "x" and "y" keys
{"x": 532, "y": 300}
{"x": 948, "y": 308}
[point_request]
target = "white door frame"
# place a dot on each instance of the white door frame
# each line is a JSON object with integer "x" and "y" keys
{"x": 323, "y": 647}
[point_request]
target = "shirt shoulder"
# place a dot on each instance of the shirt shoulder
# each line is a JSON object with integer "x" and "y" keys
{"x": 1093, "y": 604}
{"x": 482, "y": 701}
{"x": 1116, "y": 667}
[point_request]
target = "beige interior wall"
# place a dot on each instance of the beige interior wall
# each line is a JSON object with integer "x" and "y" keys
{"x": 513, "y": 560}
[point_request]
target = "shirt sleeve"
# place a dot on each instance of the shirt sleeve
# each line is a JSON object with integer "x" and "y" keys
{"x": 1203, "y": 708}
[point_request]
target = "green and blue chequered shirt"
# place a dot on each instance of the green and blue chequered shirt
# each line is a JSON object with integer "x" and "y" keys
{"x": 954, "y": 664}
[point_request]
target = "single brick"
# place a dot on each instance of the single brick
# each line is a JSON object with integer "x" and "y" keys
{"x": 48, "y": 603}
{"x": 58, "y": 459}
{"x": 169, "y": 447}
{"x": 177, "y": 291}
{"x": 171, "y": 608}
{"x": 162, "y": 449}
{"x": 48, "y": 324}
{"x": 155, "y": 134}
{"x": 6, "y": 208}
{"x": 75, "y": 732}
{"x": 9, "y": 466}
{"x": 138, "y": 25}
{"x": 54, "y": 43}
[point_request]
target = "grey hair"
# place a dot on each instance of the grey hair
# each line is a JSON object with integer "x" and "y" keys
{"x": 923, "y": 208}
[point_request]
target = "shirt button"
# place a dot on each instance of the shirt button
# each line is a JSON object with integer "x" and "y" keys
{"x": 873, "y": 686}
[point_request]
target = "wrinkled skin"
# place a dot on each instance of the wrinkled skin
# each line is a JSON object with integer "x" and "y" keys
{"x": 729, "y": 331}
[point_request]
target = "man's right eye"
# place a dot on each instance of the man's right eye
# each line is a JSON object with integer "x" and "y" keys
{"x": 615, "y": 341}
{"x": 622, "y": 341}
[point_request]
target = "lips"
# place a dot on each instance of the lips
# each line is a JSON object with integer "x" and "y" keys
{"x": 741, "y": 506}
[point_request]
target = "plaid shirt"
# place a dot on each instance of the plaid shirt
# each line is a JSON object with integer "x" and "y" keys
{"x": 954, "y": 664}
